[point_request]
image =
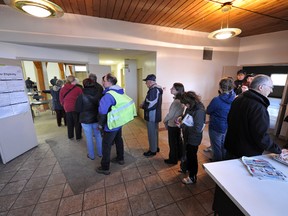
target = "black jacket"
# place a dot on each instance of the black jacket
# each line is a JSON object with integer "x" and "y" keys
{"x": 248, "y": 123}
{"x": 193, "y": 135}
{"x": 87, "y": 105}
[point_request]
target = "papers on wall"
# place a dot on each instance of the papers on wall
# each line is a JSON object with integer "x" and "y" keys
{"x": 13, "y": 98}
{"x": 262, "y": 169}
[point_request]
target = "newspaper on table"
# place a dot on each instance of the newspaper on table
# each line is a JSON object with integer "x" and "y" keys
{"x": 262, "y": 169}
{"x": 282, "y": 158}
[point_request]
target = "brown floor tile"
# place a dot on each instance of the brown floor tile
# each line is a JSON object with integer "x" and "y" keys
{"x": 21, "y": 211}
{"x": 52, "y": 193}
{"x": 115, "y": 193}
{"x": 191, "y": 207}
{"x": 6, "y": 176}
{"x": 67, "y": 191}
{"x": 101, "y": 210}
{"x": 179, "y": 191}
{"x": 161, "y": 197}
{"x": 141, "y": 204}
{"x": 3, "y": 213}
{"x": 31, "y": 164}
{"x": 2, "y": 186}
{"x": 119, "y": 208}
{"x": 94, "y": 199}
{"x": 70, "y": 205}
{"x": 130, "y": 174}
{"x": 47, "y": 208}
{"x": 152, "y": 182}
{"x": 47, "y": 161}
{"x": 147, "y": 170}
{"x": 168, "y": 177}
{"x": 113, "y": 179}
{"x": 22, "y": 175}
{"x": 56, "y": 169}
{"x": 153, "y": 213}
{"x": 42, "y": 171}
{"x": 206, "y": 200}
{"x": 36, "y": 183}
{"x": 96, "y": 185}
{"x": 13, "y": 188}
{"x": 170, "y": 210}
{"x": 135, "y": 187}
{"x": 55, "y": 179}
{"x": 27, "y": 198}
{"x": 7, "y": 201}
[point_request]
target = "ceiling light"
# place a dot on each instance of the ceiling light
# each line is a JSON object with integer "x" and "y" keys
{"x": 225, "y": 33}
{"x": 38, "y": 8}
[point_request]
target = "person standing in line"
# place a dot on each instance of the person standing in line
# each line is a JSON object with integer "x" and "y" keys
{"x": 246, "y": 82}
{"x": 192, "y": 124}
{"x": 152, "y": 113}
{"x": 87, "y": 105}
{"x": 29, "y": 84}
{"x": 53, "y": 81}
{"x": 248, "y": 121}
{"x": 58, "y": 108}
{"x": 98, "y": 87}
{"x": 218, "y": 110}
{"x": 115, "y": 110}
{"x": 239, "y": 81}
{"x": 176, "y": 109}
{"x": 68, "y": 96}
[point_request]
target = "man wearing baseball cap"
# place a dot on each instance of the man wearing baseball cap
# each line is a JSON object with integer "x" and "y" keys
{"x": 152, "y": 113}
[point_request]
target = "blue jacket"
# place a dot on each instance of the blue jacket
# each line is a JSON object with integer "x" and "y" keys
{"x": 105, "y": 106}
{"x": 218, "y": 110}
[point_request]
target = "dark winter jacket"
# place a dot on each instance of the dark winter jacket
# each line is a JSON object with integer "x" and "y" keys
{"x": 152, "y": 104}
{"x": 87, "y": 105}
{"x": 218, "y": 110}
{"x": 70, "y": 99}
{"x": 55, "y": 97}
{"x": 248, "y": 123}
{"x": 193, "y": 135}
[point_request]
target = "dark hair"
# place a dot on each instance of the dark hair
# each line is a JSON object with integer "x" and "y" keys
{"x": 88, "y": 83}
{"x": 179, "y": 87}
{"x": 226, "y": 84}
{"x": 190, "y": 98}
{"x": 93, "y": 77}
{"x": 241, "y": 72}
{"x": 110, "y": 78}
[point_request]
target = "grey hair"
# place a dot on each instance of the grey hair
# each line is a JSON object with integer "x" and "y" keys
{"x": 259, "y": 80}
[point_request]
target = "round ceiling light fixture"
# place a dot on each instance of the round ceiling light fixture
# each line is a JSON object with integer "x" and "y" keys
{"x": 38, "y": 8}
{"x": 224, "y": 33}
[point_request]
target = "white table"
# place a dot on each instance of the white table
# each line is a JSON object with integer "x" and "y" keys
{"x": 252, "y": 196}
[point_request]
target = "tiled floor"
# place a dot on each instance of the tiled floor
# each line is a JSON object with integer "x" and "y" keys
{"x": 34, "y": 184}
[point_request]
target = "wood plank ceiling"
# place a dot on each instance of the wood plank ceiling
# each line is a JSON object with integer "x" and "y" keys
{"x": 252, "y": 16}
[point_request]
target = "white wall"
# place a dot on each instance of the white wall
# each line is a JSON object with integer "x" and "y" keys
{"x": 265, "y": 49}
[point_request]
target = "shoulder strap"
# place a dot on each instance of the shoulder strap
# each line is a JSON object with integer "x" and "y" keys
{"x": 68, "y": 91}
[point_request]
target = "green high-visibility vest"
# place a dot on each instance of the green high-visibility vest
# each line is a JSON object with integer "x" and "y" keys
{"x": 122, "y": 112}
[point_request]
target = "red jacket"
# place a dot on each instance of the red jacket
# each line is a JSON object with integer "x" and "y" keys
{"x": 70, "y": 99}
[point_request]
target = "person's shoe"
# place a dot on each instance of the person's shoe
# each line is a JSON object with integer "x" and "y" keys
{"x": 90, "y": 157}
{"x": 149, "y": 154}
{"x": 116, "y": 160}
{"x": 158, "y": 149}
{"x": 208, "y": 149}
{"x": 189, "y": 180}
{"x": 168, "y": 161}
{"x": 102, "y": 171}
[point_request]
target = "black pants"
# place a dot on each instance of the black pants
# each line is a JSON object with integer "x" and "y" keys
{"x": 72, "y": 119}
{"x": 109, "y": 138}
{"x": 192, "y": 160}
{"x": 175, "y": 144}
{"x": 59, "y": 115}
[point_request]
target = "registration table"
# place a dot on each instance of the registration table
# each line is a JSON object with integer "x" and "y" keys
{"x": 251, "y": 195}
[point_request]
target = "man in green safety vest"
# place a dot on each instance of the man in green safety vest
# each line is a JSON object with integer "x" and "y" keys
{"x": 115, "y": 110}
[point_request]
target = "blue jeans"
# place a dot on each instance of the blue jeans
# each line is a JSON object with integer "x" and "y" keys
{"x": 89, "y": 129}
{"x": 217, "y": 143}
